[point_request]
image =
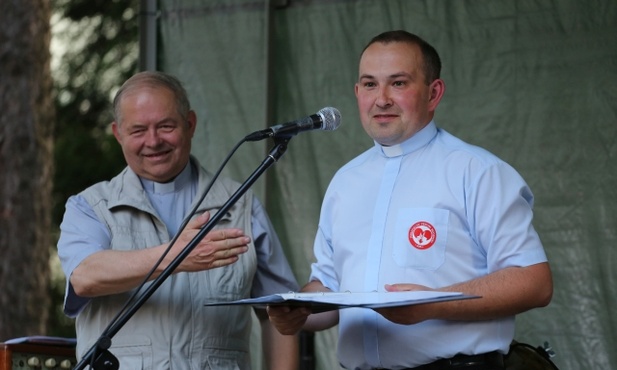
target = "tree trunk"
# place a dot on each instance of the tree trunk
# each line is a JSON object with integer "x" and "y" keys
{"x": 26, "y": 165}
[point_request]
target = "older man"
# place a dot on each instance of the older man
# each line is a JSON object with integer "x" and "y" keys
{"x": 114, "y": 232}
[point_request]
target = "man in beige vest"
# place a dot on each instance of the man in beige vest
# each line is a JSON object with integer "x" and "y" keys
{"x": 114, "y": 232}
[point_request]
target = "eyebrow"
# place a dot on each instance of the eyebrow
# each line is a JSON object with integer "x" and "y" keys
{"x": 392, "y": 76}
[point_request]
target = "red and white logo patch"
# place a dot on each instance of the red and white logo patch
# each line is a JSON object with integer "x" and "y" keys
{"x": 422, "y": 235}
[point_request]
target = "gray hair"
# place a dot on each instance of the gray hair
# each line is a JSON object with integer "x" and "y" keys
{"x": 153, "y": 79}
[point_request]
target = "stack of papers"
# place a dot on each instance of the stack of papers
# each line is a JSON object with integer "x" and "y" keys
{"x": 326, "y": 301}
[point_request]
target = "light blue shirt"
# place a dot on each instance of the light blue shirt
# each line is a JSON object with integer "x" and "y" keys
{"x": 434, "y": 211}
{"x": 83, "y": 234}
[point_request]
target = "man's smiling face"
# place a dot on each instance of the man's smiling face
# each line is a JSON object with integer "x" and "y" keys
{"x": 393, "y": 96}
{"x": 155, "y": 138}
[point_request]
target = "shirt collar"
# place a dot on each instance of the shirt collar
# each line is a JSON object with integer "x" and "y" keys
{"x": 417, "y": 141}
{"x": 179, "y": 182}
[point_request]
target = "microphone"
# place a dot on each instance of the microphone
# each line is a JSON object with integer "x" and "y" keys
{"x": 326, "y": 119}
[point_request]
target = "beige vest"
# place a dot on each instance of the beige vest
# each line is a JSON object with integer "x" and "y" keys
{"x": 173, "y": 329}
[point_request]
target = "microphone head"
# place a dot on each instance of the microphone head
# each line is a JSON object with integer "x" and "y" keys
{"x": 330, "y": 118}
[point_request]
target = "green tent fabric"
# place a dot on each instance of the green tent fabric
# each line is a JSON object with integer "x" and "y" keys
{"x": 532, "y": 81}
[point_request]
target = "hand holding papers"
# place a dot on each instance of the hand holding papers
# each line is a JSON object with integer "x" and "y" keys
{"x": 326, "y": 301}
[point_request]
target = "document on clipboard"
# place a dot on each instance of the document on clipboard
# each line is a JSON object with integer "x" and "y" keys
{"x": 326, "y": 301}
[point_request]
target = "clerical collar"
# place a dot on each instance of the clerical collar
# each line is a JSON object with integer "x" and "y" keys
{"x": 177, "y": 183}
{"x": 417, "y": 141}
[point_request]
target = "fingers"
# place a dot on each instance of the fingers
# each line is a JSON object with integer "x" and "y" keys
{"x": 217, "y": 248}
{"x": 393, "y": 288}
{"x": 221, "y": 257}
{"x": 231, "y": 237}
{"x": 221, "y": 248}
{"x": 402, "y": 287}
{"x": 199, "y": 221}
{"x": 287, "y": 320}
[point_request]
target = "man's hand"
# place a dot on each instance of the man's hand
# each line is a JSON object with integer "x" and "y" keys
{"x": 288, "y": 320}
{"x": 218, "y": 248}
{"x": 405, "y": 315}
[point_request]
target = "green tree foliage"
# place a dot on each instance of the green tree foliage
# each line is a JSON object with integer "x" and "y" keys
{"x": 96, "y": 49}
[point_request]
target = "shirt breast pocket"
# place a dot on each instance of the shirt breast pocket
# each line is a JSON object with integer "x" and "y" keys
{"x": 420, "y": 238}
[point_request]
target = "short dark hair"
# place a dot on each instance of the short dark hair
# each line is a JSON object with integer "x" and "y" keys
{"x": 154, "y": 79}
{"x": 432, "y": 62}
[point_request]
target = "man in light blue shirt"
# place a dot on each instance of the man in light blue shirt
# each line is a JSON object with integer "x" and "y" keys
{"x": 422, "y": 210}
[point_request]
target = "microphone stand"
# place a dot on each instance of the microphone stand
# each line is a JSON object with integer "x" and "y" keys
{"x": 98, "y": 355}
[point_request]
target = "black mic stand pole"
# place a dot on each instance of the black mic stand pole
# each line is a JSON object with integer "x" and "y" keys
{"x": 98, "y": 355}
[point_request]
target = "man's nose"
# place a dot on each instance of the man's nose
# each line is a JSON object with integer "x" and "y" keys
{"x": 383, "y": 97}
{"x": 153, "y": 138}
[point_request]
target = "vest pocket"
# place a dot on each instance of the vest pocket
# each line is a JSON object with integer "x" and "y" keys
{"x": 134, "y": 352}
{"x": 225, "y": 360}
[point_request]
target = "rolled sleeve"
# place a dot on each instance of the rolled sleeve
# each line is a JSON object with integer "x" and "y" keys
{"x": 81, "y": 235}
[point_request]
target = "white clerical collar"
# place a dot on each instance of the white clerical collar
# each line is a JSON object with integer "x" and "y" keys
{"x": 177, "y": 183}
{"x": 417, "y": 141}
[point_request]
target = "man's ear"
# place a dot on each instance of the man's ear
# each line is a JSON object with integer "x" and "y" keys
{"x": 116, "y": 131}
{"x": 191, "y": 120}
{"x": 436, "y": 90}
